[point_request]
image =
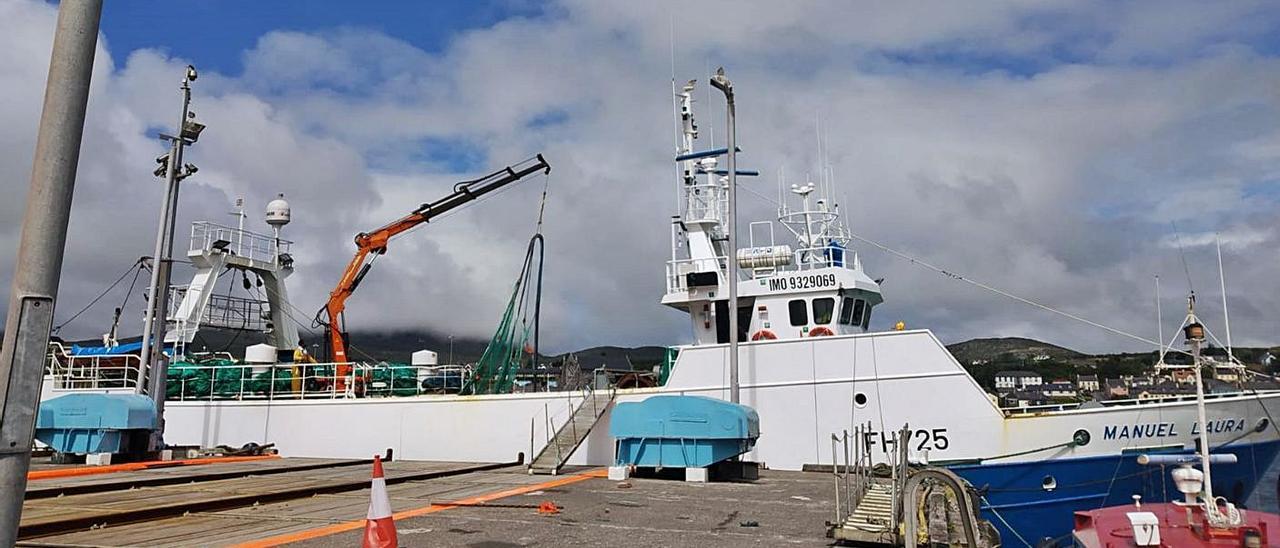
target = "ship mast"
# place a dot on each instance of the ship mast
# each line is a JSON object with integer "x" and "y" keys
{"x": 1194, "y": 332}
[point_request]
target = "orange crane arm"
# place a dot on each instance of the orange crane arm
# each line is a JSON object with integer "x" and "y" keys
{"x": 371, "y": 244}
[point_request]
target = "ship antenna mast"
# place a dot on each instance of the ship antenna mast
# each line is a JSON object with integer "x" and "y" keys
{"x": 1226, "y": 318}
{"x": 1159, "y": 325}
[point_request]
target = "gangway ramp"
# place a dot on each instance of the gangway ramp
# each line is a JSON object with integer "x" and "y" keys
{"x": 571, "y": 434}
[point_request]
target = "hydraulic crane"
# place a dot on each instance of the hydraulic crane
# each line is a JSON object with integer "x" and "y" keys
{"x": 371, "y": 244}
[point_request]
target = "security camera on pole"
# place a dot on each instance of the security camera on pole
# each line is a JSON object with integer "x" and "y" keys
{"x": 153, "y": 327}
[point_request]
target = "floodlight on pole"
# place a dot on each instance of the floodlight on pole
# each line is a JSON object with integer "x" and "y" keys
{"x": 722, "y": 83}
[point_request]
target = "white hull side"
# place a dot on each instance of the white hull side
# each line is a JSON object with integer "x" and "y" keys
{"x": 804, "y": 390}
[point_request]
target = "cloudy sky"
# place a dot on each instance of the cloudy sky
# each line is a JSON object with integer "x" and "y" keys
{"x": 1046, "y": 148}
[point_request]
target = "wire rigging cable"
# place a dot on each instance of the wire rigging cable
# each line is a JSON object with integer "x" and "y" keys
{"x": 998, "y": 291}
{"x": 517, "y": 333}
{"x": 132, "y": 268}
{"x": 1001, "y": 292}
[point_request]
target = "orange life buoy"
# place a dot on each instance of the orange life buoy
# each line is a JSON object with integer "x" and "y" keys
{"x": 821, "y": 332}
{"x": 763, "y": 334}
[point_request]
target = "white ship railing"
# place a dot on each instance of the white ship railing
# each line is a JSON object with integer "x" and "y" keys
{"x": 812, "y": 258}
{"x": 706, "y": 202}
{"x": 225, "y": 311}
{"x": 206, "y": 236}
{"x": 1034, "y": 409}
{"x": 678, "y": 269}
{"x": 100, "y": 372}
{"x": 809, "y": 258}
{"x": 314, "y": 381}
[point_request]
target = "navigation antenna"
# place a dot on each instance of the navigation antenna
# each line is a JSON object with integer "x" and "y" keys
{"x": 1226, "y": 319}
{"x": 1159, "y": 325}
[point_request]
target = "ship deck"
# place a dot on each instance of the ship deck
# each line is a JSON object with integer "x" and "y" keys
{"x": 319, "y": 502}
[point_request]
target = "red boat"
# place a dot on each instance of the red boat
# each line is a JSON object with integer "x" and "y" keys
{"x": 1173, "y": 525}
{"x": 1201, "y": 519}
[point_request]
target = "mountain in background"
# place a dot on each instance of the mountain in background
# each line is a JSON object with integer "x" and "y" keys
{"x": 398, "y": 346}
{"x": 983, "y": 358}
{"x": 1013, "y": 347}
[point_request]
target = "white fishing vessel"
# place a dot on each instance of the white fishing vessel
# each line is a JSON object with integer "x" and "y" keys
{"x": 807, "y": 363}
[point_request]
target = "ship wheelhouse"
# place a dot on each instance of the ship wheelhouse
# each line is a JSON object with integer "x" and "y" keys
{"x": 816, "y": 289}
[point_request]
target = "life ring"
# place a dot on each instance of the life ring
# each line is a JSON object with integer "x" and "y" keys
{"x": 821, "y": 331}
{"x": 763, "y": 334}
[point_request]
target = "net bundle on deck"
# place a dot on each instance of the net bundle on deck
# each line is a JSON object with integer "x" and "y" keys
{"x": 515, "y": 343}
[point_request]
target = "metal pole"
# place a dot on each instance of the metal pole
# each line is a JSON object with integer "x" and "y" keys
{"x": 724, "y": 85}
{"x": 40, "y": 250}
{"x": 148, "y": 319}
{"x": 157, "y": 381}
{"x": 1200, "y": 415}
{"x": 154, "y": 325}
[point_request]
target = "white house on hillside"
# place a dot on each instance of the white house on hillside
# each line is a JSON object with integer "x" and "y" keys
{"x": 1017, "y": 380}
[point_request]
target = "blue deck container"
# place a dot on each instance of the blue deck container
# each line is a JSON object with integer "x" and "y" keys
{"x": 682, "y": 431}
{"x": 96, "y": 423}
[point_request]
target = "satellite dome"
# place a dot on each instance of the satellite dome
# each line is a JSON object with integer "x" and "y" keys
{"x": 278, "y": 212}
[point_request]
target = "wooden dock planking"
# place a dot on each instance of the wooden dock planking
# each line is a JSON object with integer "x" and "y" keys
{"x": 244, "y": 524}
{"x": 121, "y": 506}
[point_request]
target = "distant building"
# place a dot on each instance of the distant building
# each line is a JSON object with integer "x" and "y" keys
{"x": 1136, "y": 383}
{"x": 1023, "y": 398}
{"x": 1087, "y": 383}
{"x": 1117, "y": 389}
{"x": 1017, "y": 380}
{"x": 1166, "y": 389}
{"x": 1060, "y": 389}
{"x": 1184, "y": 375}
{"x": 1227, "y": 373}
{"x": 1040, "y": 358}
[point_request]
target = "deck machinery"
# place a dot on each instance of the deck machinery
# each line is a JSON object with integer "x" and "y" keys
{"x": 371, "y": 244}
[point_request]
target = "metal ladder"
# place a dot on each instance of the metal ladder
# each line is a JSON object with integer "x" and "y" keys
{"x": 571, "y": 434}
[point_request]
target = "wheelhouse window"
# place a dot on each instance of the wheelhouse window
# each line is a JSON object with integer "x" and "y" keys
{"x": 846, "y": 311}
{"x": 859, "y": 307}
{"x": 866, "y": 318}
{"x": 799, "y": 310}
{"x": 823, "y": 310}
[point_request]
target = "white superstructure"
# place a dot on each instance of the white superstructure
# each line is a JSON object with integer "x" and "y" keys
{"x": 816, "y": 288}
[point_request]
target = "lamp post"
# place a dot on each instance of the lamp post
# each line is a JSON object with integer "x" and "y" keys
{"x": 153, "y": 326}
{"x": 41, "y": 247}
{"x": 725, "y": 86}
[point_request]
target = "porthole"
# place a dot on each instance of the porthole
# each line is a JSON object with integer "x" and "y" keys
{"x": 1049, "y": 483}
{"x": 860, "y": 400}
{"x": 1080, "y": 437}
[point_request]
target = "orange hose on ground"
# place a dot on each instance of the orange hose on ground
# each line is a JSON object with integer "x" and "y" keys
{"x": 336, "y": 528}
{"x": 134, "y": 466}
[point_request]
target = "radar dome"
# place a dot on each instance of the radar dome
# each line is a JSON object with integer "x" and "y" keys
{"x": 278, "y": 212}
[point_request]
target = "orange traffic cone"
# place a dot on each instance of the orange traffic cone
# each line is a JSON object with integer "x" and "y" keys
{"x": 379, "y": 526}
